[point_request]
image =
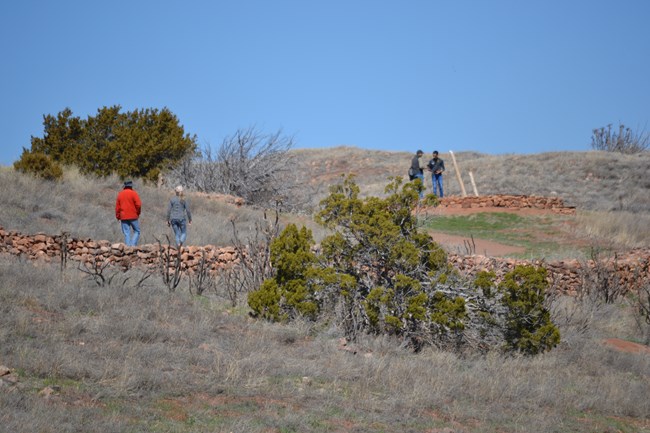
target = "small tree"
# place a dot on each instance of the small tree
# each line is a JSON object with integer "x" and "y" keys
{"x": 528, "y": 322}
{"x": 140, "y": 143}
{"x": 39, "y": 165}
{"x": 623, "y": 141}
{"x": 293, "y": 290}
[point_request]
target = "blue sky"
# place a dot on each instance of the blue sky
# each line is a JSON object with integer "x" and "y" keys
{"x": 491, "y": 76}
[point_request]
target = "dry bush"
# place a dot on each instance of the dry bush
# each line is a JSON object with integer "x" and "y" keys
{"x": 640, "y": 302}
{"x": 253, "y": 264}
{"x": 623, "y": 141}
{"x": 249, "y": 164}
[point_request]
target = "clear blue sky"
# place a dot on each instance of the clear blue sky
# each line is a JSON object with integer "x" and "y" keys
{"x": 505, "y": 76}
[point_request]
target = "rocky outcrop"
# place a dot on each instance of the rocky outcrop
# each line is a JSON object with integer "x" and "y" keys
{"x": 554, "y": 204}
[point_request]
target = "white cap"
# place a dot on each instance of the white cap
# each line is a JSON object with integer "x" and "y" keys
{"x": 178, "y": 189}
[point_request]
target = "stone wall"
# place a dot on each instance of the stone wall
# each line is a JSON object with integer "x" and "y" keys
{"x": 90, "y": 252}
{"x": 555, "y": 204}
{"x": 631, "y": 268}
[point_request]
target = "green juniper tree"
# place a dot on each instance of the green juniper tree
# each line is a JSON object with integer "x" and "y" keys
{"x": 140, "y": 143}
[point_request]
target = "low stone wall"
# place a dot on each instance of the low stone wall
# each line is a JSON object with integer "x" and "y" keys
{"x": 91, "y": 252}
{"x": 631, "y": 269}
{"x": 555, "y": 204}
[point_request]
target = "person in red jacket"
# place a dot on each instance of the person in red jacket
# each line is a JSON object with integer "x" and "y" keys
{"x": 127, "y": 211}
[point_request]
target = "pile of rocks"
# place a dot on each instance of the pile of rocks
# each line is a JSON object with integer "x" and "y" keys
{"x": 555, "y": 204}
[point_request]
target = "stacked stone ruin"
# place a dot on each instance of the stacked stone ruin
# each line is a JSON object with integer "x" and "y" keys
{"x": 631, "y": 269}
{"x": 554, "y": 204}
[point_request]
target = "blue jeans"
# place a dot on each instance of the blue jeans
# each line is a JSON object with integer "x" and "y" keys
{"x": 180, "y": 231}
{"x": 436, "y": 179}
{"x": 127, "y": 226}
{"x": 421, "y": 177}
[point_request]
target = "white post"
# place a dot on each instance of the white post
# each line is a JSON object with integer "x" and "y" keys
{"x": 471, "y": 178}
{"x": 460, "y": 180}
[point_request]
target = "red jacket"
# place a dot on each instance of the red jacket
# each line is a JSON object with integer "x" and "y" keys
{"x": 128, "y": 204}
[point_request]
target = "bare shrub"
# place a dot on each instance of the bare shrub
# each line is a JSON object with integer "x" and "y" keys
{"x": 253, "y": 264}
{"x": 623, "y": 141}
{"x": 641, "y": 305}
{"x": 201, "y": 278}
{"x": 95, "y": 268}
{"x": 170, "y": 265}
{"x": 249, "y": 164}
{"x": 599, "y": 279}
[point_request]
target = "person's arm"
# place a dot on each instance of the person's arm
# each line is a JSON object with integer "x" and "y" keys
{"x": 118, "y": 209}
{"x": 137, "y": 203}
{"x": 189, "y": 214}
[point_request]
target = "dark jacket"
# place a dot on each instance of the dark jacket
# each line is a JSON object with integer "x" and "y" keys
{"x": 415, "y": 167}
{"x": 436, "y": 165}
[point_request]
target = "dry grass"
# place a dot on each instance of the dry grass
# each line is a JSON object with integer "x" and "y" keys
{"x": 121, "y": 359}
{"x": 85, "y": 207}
{"x": 624, "y": 229}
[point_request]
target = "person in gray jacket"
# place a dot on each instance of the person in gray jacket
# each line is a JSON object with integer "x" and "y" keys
{"x": 179, "y": 216}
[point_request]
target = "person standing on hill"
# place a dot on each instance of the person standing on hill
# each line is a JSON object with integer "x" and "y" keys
{"x": 127, "y": 211}
{"x": 436, "y": 166}
{"x": 416, "y": 171}
{"x": 179, "y": 216}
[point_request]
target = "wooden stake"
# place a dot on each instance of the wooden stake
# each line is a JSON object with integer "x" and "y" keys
{"x": 460, "y": 180}
{"x": 471, "y": 178}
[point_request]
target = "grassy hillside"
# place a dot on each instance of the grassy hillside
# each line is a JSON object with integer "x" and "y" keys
{"x": 135, "y": 357}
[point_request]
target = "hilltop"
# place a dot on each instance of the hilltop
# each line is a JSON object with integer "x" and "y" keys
{"x": 599, "y": 181}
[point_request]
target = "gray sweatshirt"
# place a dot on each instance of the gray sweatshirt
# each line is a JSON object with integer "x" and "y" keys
{"x": 177, "y": 210}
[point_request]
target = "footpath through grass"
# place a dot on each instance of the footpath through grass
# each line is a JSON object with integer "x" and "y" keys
{"x": 543, "y": 236}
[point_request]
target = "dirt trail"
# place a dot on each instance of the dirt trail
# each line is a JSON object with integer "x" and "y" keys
{"x": 460, "y": 244}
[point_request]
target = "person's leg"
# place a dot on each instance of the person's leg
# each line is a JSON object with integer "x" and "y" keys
{"x": 176, "y": 227}
{"x": 437, "y": 185}
{"x": 135, "y": 225}
{"x": 183, "y": 231}
{"x": 126, "y": 229}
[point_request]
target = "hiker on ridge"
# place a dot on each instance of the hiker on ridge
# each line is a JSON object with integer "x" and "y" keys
{"x": 127, "y": 211}
{"x": 179, "y": 216}
{"x": 416, "y": 171}
{"x": 436, "y": 166}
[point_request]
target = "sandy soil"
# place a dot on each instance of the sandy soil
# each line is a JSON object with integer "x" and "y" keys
{"x": 627, "y": 346}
